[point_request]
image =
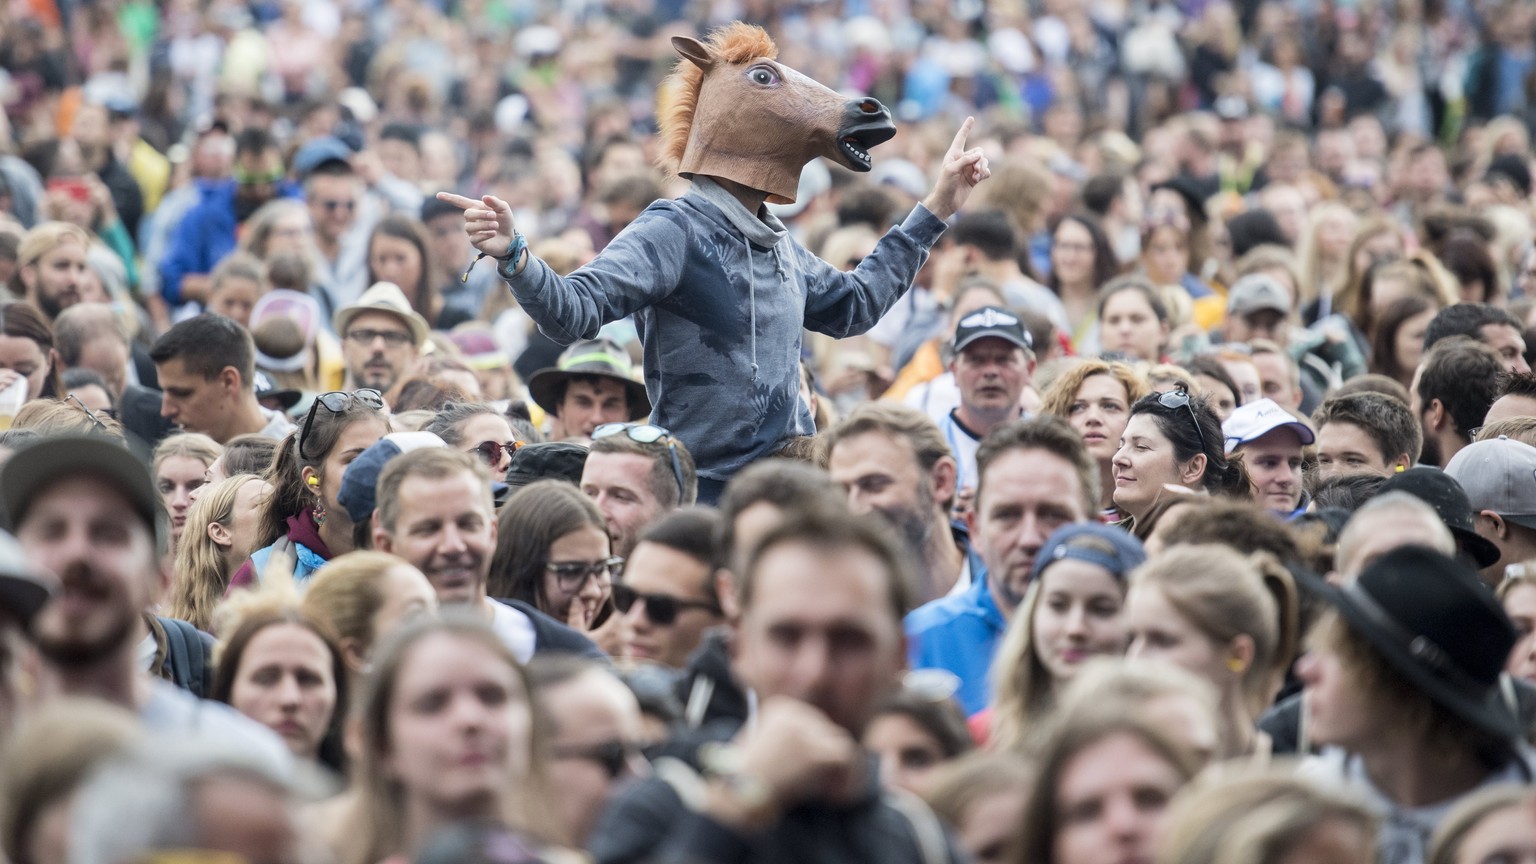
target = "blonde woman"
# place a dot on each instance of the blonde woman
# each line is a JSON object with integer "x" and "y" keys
{"x": 222, "y": 536}
{"x": 1267, "y": 817}
{"x": 364, "y": 597}
{"x": 180, "y": 467}
{"x": 1324, "y": 251}
{"x": 1498, "y": 824}
{"x": 1230, "y": 620}
{"x": 421, "y": 765}
{"x": 1071, "y": 614}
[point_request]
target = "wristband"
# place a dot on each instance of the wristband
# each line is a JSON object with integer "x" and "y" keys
{"x": 514, "y": 255}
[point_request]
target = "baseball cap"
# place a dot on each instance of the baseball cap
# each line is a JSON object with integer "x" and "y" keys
{"x": 319, "y": 151}
{"x": 1259, "y": 418}
{"x": 1257, "y": 292}
{"x": 265, "y": 390}
{"x": 561, "y": 460}
{"x": 992, "y": 321}
{"x": 1441, "y": 491}
{"x": 38, "y": 466}
{"x": 1116, "y": 550}
{"x": 1499, "y": 475}
{"x": 383, "y": 297}
{"x": 359, "y": 483}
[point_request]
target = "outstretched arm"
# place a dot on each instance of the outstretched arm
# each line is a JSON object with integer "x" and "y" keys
{"x": 961, "y": 171}
{"x": 638, "y": 269}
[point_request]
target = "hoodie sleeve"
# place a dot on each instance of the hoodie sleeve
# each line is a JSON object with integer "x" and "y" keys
{"x": 638, "y": 269}
{"x": 842, "y": 304}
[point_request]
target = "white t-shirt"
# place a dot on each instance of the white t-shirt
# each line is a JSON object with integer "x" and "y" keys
{"x": 514, "y": 628}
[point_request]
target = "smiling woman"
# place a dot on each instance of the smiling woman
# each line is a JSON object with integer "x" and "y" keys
{"x": 553, "y": 553}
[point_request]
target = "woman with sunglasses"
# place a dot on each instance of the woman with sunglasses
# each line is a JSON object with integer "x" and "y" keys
{"x": 477, "y": 428}
{"x": 554, "y": 554}
{"x": 302, "y": 518}
{"x": 1171, "y": 439}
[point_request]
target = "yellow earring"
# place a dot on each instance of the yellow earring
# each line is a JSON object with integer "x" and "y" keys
{"x": 1235, "y": 664}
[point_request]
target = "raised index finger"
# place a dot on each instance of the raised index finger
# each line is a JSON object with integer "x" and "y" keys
{"x": 958, "y": 146}
{"x": 458, "y": 201}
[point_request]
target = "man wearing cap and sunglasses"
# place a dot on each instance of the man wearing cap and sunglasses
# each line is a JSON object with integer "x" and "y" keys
{"x": 637, "y": 473}
{"x": 591, "y": 384}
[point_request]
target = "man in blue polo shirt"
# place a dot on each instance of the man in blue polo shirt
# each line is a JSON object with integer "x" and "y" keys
{"x": 1033, "y": 477}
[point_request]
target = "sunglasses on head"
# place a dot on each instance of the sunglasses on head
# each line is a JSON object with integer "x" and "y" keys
{"x": 662, "y": 609}
{"x": 1180, "y": 399}
{"x": 491, "y": 451}
{"x": 615, "y": 757}
{"x": 646, "y": 433}
{"x": 336, "y": 402}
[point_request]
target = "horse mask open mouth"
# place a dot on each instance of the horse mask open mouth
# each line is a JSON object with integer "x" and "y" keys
{"x": 732, "y": 111}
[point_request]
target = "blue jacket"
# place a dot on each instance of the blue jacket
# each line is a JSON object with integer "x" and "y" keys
{"x": 205, "y": 236}
{"x": 720, "y": 298}
{"x": 960, "y": 634}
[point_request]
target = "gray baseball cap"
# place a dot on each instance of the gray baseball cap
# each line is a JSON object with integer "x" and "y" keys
{"x": 24, "y": 589}
{"x": 1498, "y": 475}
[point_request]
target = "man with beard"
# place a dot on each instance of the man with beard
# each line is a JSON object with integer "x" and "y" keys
{"x": 893, "y": 460}
{"x": 381, "y": 337}
{"x": 1034, "y": 477}
{"x": 993, "y": 360}
{"x": 1454, "y": 387}
{"x": 207, "y": 233}
{"x": 434, "y": 510}
{"x": 85, "y": 510}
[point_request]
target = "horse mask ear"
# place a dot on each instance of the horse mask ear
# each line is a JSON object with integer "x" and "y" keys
{"x": 694, "y": 50}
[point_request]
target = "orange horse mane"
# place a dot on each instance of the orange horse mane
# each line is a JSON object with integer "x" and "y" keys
{"x": 732, "y": 44}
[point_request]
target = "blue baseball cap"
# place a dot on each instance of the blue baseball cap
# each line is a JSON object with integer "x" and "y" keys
{"x": 360, "y": 482}
{"x": 1124, "y": 555}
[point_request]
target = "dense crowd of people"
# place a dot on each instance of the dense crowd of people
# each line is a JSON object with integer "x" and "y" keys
{"x": 1119, "y": 448}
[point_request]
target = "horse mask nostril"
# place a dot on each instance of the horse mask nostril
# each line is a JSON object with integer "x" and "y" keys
{"x": 869, "y": 106}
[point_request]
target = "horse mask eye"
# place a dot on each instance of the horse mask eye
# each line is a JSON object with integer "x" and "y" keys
{"x": 763, "y": 75}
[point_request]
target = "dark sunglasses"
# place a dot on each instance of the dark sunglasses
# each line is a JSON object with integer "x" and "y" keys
{"x": 571, "y": 576}
{"x": 645, "y": 433}
{"x": 491, "y": 450}
{"x": 336, "y": 402}
{"x": 1180, "y": 399}
{"x": 615, "y": 757}
{"x": 662, "y": 609}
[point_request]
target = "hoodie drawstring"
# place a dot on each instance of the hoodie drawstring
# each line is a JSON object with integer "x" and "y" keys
{"x": 752, "y": 299}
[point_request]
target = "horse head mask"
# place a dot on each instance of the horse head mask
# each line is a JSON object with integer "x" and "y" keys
{"x": 736, "y": 113}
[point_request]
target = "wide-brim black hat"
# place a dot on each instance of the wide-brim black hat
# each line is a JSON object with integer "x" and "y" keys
{"x": 600, "y": 357}
{"x": 1441, "y": 491}
{"x": 1438, "y": 627}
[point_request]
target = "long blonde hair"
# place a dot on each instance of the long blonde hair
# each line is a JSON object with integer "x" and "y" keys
{"x": 1225, "y": 595}
{"x": 202, "y": 575}
{"x": 376, "y": 819}
{"x": 347, "y": 592}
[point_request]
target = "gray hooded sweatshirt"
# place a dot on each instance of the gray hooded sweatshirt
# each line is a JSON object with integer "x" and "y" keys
{"x": 720, "y": 298}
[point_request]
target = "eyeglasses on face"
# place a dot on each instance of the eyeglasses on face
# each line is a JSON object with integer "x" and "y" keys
{"x": 662, "y": 609}
{"x": 392, "y": 338}
{"x": 491, "y": 451}
{"x": 336, "y": 402}
{"x": 615, "y": 757}
{"x": 331, "y": 206}
{"x": 1180, "y": 399}
{"x": 257, "y": 178}
{"x": 572, "y": 576}
{"x": 646, "y": 433}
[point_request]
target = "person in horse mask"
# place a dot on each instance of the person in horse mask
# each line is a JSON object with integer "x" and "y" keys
{"x": 719, "y": 289}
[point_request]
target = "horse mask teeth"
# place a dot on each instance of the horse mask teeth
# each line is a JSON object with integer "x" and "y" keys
{"x": 717, "y": 120}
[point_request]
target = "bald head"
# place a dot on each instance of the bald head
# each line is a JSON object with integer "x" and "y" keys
{"x": 1388, "y": 522}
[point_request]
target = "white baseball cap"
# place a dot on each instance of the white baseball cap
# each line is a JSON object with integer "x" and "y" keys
{"x": 1254, "y": 420}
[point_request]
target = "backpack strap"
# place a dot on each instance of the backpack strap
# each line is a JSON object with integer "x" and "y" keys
{"x": 188, "y": 652}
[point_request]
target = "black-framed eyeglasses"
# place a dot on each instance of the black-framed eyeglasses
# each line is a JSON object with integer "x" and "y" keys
{"x": 336, "y": 402}
{"x": 662, "y": 609}
{"x": 1180, "y": 399}
{"x": 572, "y": 576}
{"x": 392, "y": 338}
{"x": 615, "y": 757}
{"x": 646, "y": 433}
{"x": 491, "y": 451}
